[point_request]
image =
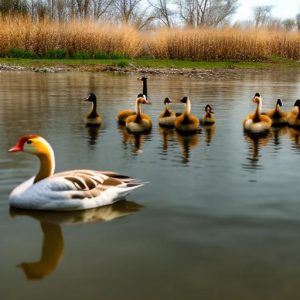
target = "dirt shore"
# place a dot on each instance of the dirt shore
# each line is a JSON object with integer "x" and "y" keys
{"x": 228, "y": 73}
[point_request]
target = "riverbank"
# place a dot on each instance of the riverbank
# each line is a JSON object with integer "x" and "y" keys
{"x": 189, "y": 68}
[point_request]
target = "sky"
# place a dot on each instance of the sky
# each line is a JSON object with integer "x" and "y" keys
{"x": 281, "y": 8}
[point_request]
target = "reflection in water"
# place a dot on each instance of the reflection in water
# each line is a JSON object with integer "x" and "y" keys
{"x": 209, "y": 131}
{"x": 295, "y": 137}
{"x": 93, "y": 133}
{"x": 53, "y": 241}
{"x": 255, "y": 142}
{"x": 52, "y": 252}
{"x": 187, "y": 142}
{"x": 167, "y": 135}
{"x": 135, "y": 140}
{"x": 276, "y": 133}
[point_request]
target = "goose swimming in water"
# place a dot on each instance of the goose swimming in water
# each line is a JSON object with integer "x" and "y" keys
{"x": 124, "y": 114}
{"x": 278, "y": 117}
{"x": 92, "y": 118}
{"x": 139, "y": 122}
{"x": 208, "y": 118}
{"x": 167, "y": 117}
{"x": 69, "y": 190}
{"x": 293, "y": 117}
{"x": 187, "y": 123}
{"x": 257, "y": 123}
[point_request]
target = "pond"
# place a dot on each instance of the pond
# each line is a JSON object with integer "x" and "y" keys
{"x": 218, "y": 219}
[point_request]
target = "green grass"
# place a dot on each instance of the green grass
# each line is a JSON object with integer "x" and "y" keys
{"x": 272, "y": 63}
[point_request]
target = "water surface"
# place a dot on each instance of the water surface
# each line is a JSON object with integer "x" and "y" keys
{"x": 219, "y": 218}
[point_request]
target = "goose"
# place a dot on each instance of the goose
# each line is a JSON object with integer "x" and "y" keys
{"x": 208, "y": 118}
{"x": 186, "y": 123}
{"x": 92, "y": 118}
{"x": 69, "y": 190}
{"x": 124, "y": 114}
{"x": 277, "y": 116}
{"x": 293, "y": 117}
{"x": 139, "y": 122}
{"x": 257, "y": 123}
{"x": 167, "y": 117}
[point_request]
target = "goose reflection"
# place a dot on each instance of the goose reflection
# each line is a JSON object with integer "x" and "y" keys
{"x": 167, "y": 135}
{"x": 294, "y": 135}
{"x": 255, "y": 143}
{"x": 53, "y": 242}
{"x": 136, "y": 141}
{"x": 93, "y": 133}
{"x": 187, "y": 142}
{"x": 209, "y": 132}
{"x": 277, "y": 133}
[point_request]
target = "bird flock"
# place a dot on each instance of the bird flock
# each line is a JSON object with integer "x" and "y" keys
{"x": 85, "y": 189}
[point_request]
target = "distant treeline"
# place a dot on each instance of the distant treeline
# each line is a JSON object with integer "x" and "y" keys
{"x": 22, "y": 37}
{"x": 149, "y": 14}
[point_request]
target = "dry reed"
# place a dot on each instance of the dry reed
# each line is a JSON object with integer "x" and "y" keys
{"x": 73, "y": 36}
{"x": 195, "y": 44}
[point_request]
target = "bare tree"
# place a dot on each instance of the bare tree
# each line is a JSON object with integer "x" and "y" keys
{"x": 288, "y": 24}
{"x": 218, "y": 12}
{"x": 127, "y": 9}
{"x": 262, "y": 14}
{"x": 101, "y": 7}
{"x": 161, "y": 11}
{"x": 198, "y": 13}
{"x": 132, "y": 12}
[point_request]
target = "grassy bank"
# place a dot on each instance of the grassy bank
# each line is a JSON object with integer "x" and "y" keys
{"x": 272, "y": 63}
{"x": 23, "y": 38}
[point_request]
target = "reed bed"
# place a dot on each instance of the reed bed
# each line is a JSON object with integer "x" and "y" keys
{"x": 75, "y": 36}
{"x": 224, "y": 44}
{"x": 195, "y": 44}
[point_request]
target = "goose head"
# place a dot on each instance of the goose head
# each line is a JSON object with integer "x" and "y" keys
{"x": 141, "y": 99}
{"x": 33, "y": 144}
{"x": 167, "y": 101}
{"x": 208, "y": 109}
{"x": 184, "y": 99}
{"x": 297, "y": 103}
{"x": 279, "y": 102}
{"x": 257, "y": 98}
{"x": 91, "y": 98}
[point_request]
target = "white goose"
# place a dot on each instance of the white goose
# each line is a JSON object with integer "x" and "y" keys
{"x": 70, "y": 190}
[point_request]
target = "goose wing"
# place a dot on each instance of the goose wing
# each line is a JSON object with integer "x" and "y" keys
{"x": 77, "y": 189}
{"x": 90, "y": 184}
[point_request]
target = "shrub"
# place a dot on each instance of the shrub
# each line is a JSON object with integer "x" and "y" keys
{"x": 21, "y": 53}
{"x": 56, "y": 54}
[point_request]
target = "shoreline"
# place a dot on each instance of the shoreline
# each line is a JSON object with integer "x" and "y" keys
{"x": 213, "y": 72}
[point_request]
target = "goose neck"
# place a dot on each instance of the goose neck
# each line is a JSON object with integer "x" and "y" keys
{"x": 47, "y": 165}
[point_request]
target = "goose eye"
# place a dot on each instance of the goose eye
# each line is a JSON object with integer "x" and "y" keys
{"x": 29, "y": 142}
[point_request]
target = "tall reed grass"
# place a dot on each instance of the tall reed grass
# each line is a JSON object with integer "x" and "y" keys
{"x": 79, "y": 38}
{"x": 75, "y": 36}
{"x": 224, "y": 44}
